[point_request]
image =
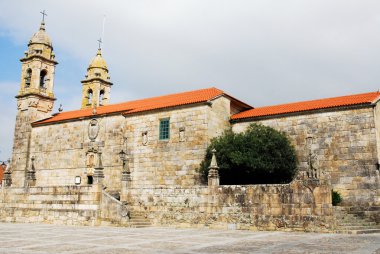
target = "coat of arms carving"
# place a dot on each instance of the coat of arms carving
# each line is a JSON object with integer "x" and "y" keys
{"x": 93, "y": 129}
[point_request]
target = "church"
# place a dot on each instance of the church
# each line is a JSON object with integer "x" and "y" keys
{"x": 145, "y": 154}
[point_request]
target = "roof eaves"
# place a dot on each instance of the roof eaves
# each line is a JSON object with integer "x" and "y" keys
{"x": 299, "y": 112}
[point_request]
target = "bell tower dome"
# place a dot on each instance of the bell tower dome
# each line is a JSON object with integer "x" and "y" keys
{"x": 96, "y": 86}
{"x": 38, "y": 66}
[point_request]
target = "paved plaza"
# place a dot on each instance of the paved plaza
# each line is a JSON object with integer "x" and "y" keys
{"x": 37, "y": 238}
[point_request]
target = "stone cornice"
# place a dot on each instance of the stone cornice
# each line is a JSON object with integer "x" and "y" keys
{"x": 25, "y": 59}
{"x": 34, "y": 94}
{"x": 96, "y": 79}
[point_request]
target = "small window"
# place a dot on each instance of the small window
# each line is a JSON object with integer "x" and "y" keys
{"x": 164, "y": 129}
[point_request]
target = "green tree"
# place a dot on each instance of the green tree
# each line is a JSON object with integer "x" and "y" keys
{"x": 259, "y": 155}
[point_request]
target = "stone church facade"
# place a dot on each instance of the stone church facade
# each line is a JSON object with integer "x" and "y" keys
{"x": 146, "y": 154}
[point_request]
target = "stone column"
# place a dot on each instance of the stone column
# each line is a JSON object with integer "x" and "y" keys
{"x": 98, "y": 172}
{"x": 31, "y": 175}
{"x": 126, "y": 180}
{"x": 213, "y": 184}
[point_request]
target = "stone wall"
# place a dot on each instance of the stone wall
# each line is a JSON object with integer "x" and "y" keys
{"x": 342, "y": 142}
{"x": 70, "y": 205}
{"x": 300, "y": 205}
{"x": 112, "y": 211}
{"x": 30, "y": 109}
{"x": 62, "y": 151}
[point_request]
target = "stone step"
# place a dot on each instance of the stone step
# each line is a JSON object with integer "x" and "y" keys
{"x": 364, "y": 231}
{"x": 137, "y": 214}
{"x": 358, "y": 227}
{"x": 139, "y": 221}
{"x": 138, "y": 217}
{"x": 52, "y": 206}
{"x": 140, "y": 225}
{"x": 357, "y": 223}
{"x": 354, "y": 220}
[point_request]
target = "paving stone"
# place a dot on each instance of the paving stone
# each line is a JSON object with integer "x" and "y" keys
{"x": 43, "y": 239}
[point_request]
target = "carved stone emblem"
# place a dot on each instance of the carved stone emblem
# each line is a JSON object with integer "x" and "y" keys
{"x": 93, "y": 129}
{"x": 33, "y": 102}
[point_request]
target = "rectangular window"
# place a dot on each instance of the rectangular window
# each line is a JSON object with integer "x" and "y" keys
{"x": 164, "y": 129}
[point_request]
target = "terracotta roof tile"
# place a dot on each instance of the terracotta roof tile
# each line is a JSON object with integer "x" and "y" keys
{"x": 356, "y": 99}
{"x": 166, "y": 101}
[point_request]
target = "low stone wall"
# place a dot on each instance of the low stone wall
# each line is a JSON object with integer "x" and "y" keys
{"x": 300, "y": 205}
{"x": 112, "y": 211}
{"x": 70, "y": 205}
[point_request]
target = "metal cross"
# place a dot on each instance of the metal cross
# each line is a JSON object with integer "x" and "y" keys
{"x": 100, "y": 43}
{"x": 43, "y": 15}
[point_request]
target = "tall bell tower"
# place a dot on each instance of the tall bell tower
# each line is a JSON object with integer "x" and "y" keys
{"x": 35, "y": 99}
{"x": 96, "y": 86}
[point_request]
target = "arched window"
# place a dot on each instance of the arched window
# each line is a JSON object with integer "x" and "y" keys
{"x": 28, "y": 77}
{"x": 89, "y": 97}
{"x": 101, "y": 97}
{"x": 43, "y": 78}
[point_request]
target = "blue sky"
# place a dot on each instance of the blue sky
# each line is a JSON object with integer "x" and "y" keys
{"x": 260, "y": 51}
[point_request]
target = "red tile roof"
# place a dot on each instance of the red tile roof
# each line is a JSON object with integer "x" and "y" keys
{"x": 356, "y": 99}
{"x": 160, "y": 102}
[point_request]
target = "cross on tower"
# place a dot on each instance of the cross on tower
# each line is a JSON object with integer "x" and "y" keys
{"x": 100, "y": 43}
{"x": 43, "y": 15}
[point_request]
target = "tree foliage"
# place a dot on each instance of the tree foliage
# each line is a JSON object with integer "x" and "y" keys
{"x": 336, "y": 198}
{"x": 259, "y": 155}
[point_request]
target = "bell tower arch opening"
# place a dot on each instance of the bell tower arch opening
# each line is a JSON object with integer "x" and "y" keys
{"x": 43, "y": 79}
{"x": 89, "y": 96}
{"x": 28, "y": 77}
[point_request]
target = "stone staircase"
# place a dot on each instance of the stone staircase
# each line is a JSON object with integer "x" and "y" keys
{"x": 352, "y": 220}
{"x": 138, "y": 220}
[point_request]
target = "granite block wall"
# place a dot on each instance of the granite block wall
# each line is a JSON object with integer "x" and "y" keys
{"x": 69, "y": 205}
{"x": 300, "y": 205}
{"x": 342, "y": 143}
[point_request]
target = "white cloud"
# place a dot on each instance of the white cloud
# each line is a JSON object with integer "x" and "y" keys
{"x": 8, "y": 118}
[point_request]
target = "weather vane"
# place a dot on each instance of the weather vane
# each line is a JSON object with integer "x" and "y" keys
{"x": 43, "y": 15}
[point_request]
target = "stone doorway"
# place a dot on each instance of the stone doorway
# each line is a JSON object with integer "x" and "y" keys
{"x": 90, "y": 180}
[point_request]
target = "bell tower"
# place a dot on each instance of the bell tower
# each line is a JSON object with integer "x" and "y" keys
{"x": 96, "y": 86}
{"x": 35, "y": 99}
